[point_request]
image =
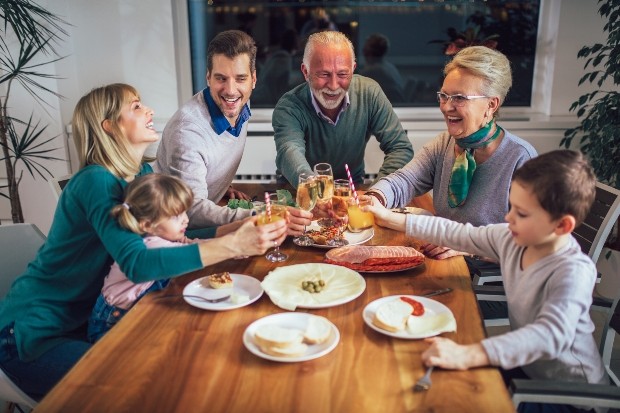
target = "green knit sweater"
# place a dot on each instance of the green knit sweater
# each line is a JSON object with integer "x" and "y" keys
{"x": 303, "y": 138}
{"x": 54, "y": 298}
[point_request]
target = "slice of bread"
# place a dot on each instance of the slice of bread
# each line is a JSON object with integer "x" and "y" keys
{"x": 317, "y": 331}
{"x": 296, "y": 350}
{"x": 220, "y": 280}
{"x": 271, "y": 336}
{"x": 392, "y": 315}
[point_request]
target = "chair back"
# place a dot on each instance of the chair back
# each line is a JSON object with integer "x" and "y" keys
{"x": 595, "y": 229}
{"x": 610, "y": 332}
{"x": 19, "y": 244}
{"x": 58, "y": 184}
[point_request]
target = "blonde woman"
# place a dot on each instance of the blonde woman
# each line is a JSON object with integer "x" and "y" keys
{"x": 44, "y": 315}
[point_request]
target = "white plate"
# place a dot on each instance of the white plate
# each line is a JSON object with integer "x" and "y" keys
{"x": 437, "y": 318}
{"x": 242, "y": 285}
{"x": 354, "y": 238}
{"x": 283, "y": 285}
{"x": 414, "y": 211}
{"x": 290, "y": 320}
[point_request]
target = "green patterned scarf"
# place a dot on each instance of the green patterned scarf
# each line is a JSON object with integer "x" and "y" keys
{"x": 465, "y": 164}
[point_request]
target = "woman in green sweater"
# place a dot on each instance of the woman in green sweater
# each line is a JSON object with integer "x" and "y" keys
{"x": 43, "y": 317}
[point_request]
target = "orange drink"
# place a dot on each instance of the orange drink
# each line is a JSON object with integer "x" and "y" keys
{"x": 358, "y": 219}
{"x": 278, "y": 212}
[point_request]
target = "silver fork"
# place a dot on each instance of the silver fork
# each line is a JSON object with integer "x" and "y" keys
{"x": 196, "y": 297}
{"x": 425, "y": 382}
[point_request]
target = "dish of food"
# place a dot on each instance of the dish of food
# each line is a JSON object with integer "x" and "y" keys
{"x": 389, "y": 316}
{"x": 288, "y": 286}
{"x": 291, "y": 337}
{"x": 245, "y": 290}
{"x": 321, "y": 236}
{"x": 375, "y": 259}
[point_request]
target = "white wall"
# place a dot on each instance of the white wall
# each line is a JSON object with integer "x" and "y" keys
{"x": 133, "y": 42}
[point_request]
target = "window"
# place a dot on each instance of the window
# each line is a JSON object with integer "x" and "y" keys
{"x": 401, "y": 44}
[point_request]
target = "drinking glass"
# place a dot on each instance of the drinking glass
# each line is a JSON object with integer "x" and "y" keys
{"x": 325, "y": 177}
{"x": 342, "y": 188}
{"x": 307, "y": 194}
{"x": 359, "y": 220}
{"x": 339, "y": 220}
{"x": 278, "y": 212}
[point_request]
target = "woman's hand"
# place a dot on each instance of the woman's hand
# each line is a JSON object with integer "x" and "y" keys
{"x": 251, "y": 239}
{"x": 447, "y": 354}
{"x": 298, "y": 219}
{"x": 437, "y": 252}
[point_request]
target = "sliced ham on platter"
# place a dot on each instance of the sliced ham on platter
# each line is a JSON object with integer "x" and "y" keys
{"x": 375, "y": 258}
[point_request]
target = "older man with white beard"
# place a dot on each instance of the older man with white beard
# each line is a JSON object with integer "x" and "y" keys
{"x": 331, "y": 117}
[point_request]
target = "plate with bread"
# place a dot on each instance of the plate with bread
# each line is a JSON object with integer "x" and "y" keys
{"x": 409, "y": 317}
{"x": 321, "y": 235}
{"x": 242, "y": 289}
{"x": 312, "y": 285}
{"x": 291, "y": 337}
{"x": 375, "y": 259}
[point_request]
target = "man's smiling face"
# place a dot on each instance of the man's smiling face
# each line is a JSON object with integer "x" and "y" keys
{"x": 231, "y": 82}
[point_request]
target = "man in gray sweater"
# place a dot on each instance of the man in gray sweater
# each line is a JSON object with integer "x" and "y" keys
{"x": 203, "y": 142}
{"x": 331, "y": 117}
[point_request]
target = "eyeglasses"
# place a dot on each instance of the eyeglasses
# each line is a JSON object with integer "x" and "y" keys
{"x": 457, "y": 100}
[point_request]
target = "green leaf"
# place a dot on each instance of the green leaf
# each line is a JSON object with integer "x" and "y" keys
{"x": 287, "y": 195}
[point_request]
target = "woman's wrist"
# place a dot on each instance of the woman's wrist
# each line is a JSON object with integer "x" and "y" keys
{"x": 378, "y": 195}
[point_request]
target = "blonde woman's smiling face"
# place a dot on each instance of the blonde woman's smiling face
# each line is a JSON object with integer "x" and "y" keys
{"x": 136, "y": 122}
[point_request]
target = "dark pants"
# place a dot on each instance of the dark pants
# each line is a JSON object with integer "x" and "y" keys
{"x": 38, "y": 376}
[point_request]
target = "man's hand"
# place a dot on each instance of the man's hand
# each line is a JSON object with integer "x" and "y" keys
{"x": 298, "y": 219}
{"x": 232, "y": 193}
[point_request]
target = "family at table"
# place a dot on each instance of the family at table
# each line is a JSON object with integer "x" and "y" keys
{"x": 116, "y": 220}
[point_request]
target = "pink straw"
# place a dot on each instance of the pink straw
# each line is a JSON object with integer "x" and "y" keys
{"x": 357, "y": 201}
{"x": 268, "y": 206}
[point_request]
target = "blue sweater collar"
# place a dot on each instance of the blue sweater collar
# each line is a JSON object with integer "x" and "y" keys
{"x": 220, "y": 123}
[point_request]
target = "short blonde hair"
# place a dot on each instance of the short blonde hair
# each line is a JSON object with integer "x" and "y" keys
{"x": 151, "y": 198}
{"x": 94, "y": 145}
{"x": 489, "y": 64}
{"x": 326, "y": 38}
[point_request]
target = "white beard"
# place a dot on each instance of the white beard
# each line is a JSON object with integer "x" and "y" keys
{"x": 331, "y": 104}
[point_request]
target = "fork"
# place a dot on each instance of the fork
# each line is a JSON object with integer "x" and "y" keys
{"x": 196, "y": 297}
{"x": 425, "y": 382}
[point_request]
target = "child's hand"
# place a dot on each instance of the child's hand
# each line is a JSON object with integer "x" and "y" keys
{"x": 447, "y": 354}
{"x": 386, "y": 218}
{"x": 439, "y": 253}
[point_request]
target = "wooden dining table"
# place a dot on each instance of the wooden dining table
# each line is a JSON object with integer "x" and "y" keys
{"x": 168, "y": 356}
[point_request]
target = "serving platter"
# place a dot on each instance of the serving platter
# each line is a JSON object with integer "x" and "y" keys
{"x": 376, "y": 259}
{"x": 283, "y": 285}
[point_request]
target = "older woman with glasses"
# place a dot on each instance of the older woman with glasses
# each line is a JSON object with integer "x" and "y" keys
{"x": 470, "y": 165}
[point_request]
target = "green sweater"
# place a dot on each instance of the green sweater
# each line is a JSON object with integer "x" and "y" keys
{"x": 55, "y": 297}
{"x": 303, "y": 138}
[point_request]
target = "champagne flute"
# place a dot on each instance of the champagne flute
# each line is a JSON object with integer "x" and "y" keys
{"x": 325, "y": 177}
{"x": 339, "y": 220}
{"x": 307, "y": 194}
{"x": 273, "y": 211}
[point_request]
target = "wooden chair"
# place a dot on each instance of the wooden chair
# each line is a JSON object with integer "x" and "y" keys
{"x": 19, "y": 244}
{"x": 591, "y": 395}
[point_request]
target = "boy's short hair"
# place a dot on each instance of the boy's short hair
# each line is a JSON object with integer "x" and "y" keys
{"x": 562, "y": 181}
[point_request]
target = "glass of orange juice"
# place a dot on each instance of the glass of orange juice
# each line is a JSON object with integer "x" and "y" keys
{"x": 358, "y": 219}
{"x": 277, "y": 211}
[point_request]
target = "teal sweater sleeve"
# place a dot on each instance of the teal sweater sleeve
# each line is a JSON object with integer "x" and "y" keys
{"x": 56, "y": 294}
{"x": 303, "y": 138}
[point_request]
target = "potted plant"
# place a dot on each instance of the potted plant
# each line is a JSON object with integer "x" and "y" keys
{"x": 599, "y": 111}
{"x": 27, "y": 32}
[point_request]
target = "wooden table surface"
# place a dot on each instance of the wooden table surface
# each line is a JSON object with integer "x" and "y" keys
{"x": 168, "y": 356}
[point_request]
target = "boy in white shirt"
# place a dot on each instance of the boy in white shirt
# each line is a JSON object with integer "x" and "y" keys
{"x": 547, "y": 278}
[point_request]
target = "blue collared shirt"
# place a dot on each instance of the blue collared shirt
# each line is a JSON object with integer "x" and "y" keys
{"x": 220, "y": 123}
{"x": 319, "y": 112}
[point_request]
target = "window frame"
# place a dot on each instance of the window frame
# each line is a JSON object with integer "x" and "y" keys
{"x": 548, "y": 26}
